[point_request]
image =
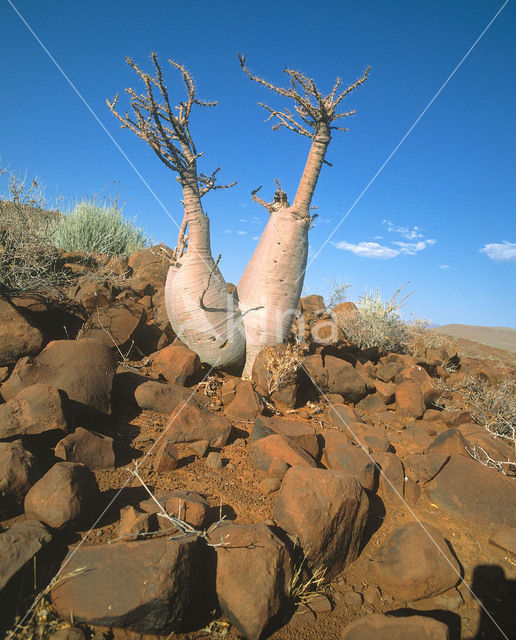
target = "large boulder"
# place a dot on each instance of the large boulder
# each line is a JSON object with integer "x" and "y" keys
{"x": 266, "y": 452}
{"x": 35, "y": 410}
{"x": 380, "y": 627}
{"x": 176, "y": 363}
{"x": 83, "y": 368}
{"x": 467, "y": 489}
{"x": 92, "y": 449}
{"x": 150, "y": 266}
{"x": 66, "y": 495}
{"x": 17, "y": 336}
{"x": 19, "y": 470}
{"x": 253, "y": 577}
{"x": 18, "y": 545}
{"x": 162, "y": 397}
{"x": 327, "y": 512}
{"x": 344, "y": 379}
{"x": 115, "y": 325}
{"x": 415, "y": 562}
{"x": 339, "y": 454}
{"x": 246, "y": 404}
{"x": 146, "y": 586}
{"x": 189, "y": 423}
{"x": 296, "y": 431}
{"x": 410, "y": 402}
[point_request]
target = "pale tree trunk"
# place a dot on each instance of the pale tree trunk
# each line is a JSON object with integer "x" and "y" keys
{"x": 202, "y": 312}
{"x": 271, "y": 284}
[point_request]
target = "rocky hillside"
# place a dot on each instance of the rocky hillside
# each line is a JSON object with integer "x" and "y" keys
{"x": 340, "y": 493}
{"x": 499, "y": 337}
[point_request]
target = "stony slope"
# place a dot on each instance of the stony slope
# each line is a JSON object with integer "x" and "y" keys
{"x": 500, "y": 337}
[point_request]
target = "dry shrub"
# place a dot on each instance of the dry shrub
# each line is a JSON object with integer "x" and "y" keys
{"x": 376, "y": 323}
{"x": 281, "y": 365}
{"x": 28, "y": 256}
{"x": 491, "y": 405}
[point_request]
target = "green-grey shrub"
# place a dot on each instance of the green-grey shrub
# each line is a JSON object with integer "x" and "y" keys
{"x": 376, "y": 323}
{"x": 91, "y": 228}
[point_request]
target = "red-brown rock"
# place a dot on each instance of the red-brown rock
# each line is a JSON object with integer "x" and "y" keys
{"x": 17, "y": 336}
{"x": 66, "y": 495}
{"x": 314, "y": 369}
{"x": 409, "y": 400}
{"x": 115, "y": 325}
{"x": 92, "y": 449}
{"x": 18, "y": 545}
{"x": 188, "y": 506}
{"x": 327, "y": 512}
{"x": 162, "y": 397}
{"x": 341, "y": 416}
{"x": 340, "y": 455}
{"x": 391, "y": 477}
{"x": 35, "y": 410}
{"x": 246, "y": 404}
{"x": 189, "y": 423}
{"x": 149, "y": 266}
{"x": 176, "y": 363}
{"x": 367, "y": 436}
{"x": 449, "y": 442}
{"x": 380, "y": 627}
{"x": 423, "y": 467}
{"x": 343, "y": 379}
{"x": 467, "y": 489}
{"x": 167, "y": 458}
{"x": 419, "y": 376}
{"x": 415, "y": 563}
{"x": 146, "y": 586}
{"x": 265, "y": 451}
{"x": 254, "y": 604}
{"x": 19, "y": 470}
{"x": 296, "y": 431}
{"x": 83, "y": 368}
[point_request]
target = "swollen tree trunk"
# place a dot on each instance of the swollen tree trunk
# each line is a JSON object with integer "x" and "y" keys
{"x": 271, "y": 284}
{"x": 200, "y": 309}
{"x": 202, "y": 312}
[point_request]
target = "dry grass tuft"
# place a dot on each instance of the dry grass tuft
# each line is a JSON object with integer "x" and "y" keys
{"x": 281, "y": 365}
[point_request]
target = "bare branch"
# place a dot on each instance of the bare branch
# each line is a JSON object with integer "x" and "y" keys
{"x": 208, "y": 183}
{"x": 311, "y": 105}
{"x": 280, "y": 199}
{"x": 164, "y": 127}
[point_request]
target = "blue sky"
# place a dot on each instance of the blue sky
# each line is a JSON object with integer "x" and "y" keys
{"x": 439, "y": 212}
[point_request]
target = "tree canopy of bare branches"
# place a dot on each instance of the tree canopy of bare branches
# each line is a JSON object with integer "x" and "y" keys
{"x": 314, "y": 110}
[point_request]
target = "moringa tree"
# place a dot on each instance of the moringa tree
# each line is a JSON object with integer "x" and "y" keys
{"x": 227, "y": 330}
{"x": 202, "y": 312}
{"x": 271, "y": 284}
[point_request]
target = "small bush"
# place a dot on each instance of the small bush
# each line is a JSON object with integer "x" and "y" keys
{"x": 98, "y": 228}
{"x": 376, "y": 323}
{"x": 492, "y": 406}
{"x": 281, "y": 364}
{"x": 28, "y": 257}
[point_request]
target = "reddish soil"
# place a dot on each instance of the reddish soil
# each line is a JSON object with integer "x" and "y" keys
{"x": 234, "y": 493}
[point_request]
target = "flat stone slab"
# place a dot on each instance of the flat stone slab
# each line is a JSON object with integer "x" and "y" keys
{"x": 466, "y": 488}
{"x": 18, "y": 545}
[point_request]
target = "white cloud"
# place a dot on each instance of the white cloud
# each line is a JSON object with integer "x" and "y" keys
{"x": 409, "y": 234}
{"x": 244, "y": 220}
{"x": 501, "y": 251}
{"x": 368, "y": 249}
{"x": 444, "y": 266}
{"x": 228, "y": 230}
{"x": 411, "y": 248}
{"x": 241, "y": 233}
{"x": 255, "y": 237}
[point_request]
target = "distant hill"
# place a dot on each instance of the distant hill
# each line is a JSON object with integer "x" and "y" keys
{"x": 500, "y": 337}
